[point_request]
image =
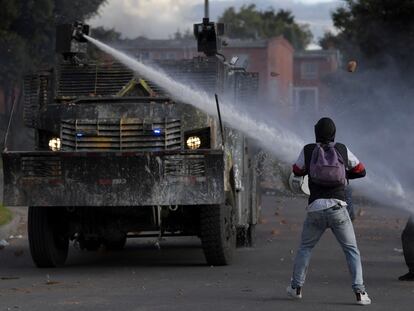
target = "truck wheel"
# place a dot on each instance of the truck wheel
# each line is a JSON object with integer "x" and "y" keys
{"x": 246, "y": 237}
{"x": 47, "y": 230}
{"x": 218, "y": 234}
{"x": 116, "y": 244}
{"x": 91, "y": 245}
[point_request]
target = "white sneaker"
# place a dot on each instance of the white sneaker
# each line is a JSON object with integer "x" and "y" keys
{"x": 363, "y": 299}
{"x": 295, "y": 293}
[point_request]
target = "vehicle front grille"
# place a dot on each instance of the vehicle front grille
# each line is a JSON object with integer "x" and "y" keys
{"x": 188, "y": 165}
{"x": 41, "y": 166}
{"x": 120, "y": 134}
{"x": 36, "y": 95}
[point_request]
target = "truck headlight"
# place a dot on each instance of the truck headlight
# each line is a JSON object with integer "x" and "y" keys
{"x": 198, "y": 139}
{"x": 54, "y": 144}
{"x": 193, "y": 142}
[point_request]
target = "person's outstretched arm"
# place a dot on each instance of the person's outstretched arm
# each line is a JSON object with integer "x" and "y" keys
{"x": 299, "y": 168}
{"x": 356, "y": 167}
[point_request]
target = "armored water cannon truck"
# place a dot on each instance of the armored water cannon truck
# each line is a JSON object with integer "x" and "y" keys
{"x": 117, "y": 158}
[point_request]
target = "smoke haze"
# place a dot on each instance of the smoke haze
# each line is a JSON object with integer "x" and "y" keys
{"x": 373, "y": 112}
{"x": 361, "y": 127}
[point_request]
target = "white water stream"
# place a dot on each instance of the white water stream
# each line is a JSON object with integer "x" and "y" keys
{"x": 283, "y": 143}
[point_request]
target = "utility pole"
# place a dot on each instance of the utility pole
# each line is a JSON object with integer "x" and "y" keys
{"x": 206, "y": 9}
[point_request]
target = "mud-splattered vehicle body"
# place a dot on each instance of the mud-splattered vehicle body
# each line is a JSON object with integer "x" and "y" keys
{"x": 116, "y": 158}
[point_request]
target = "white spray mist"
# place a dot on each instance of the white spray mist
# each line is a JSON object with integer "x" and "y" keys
{"x": 284, "y": 144}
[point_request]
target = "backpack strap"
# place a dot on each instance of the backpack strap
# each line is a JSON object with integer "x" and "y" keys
{"x": 308, "y": 150}
{"x": 343, "y": 151}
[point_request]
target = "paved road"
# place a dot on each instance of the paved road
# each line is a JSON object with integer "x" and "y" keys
{"x": 176, "y": 278}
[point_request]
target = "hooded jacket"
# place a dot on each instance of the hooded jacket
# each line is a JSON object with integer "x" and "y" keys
{"x": 325, "y": 131}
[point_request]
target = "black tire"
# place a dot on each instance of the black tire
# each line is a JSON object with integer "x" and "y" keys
{"x": 48, "y": 240}
{"x": 116, "y": 245}
{"x": 90, "y": 245}
{"x": 218, "y": 234}
{"x": 246, "y": 237}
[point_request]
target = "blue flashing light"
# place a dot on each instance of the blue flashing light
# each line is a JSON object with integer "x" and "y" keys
{"x": 156, "y": 131}
{"x": 79, "y": 134}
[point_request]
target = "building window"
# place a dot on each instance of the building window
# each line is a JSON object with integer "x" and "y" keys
{"x": 309, "y": 71}
{"x": 306, "y": 99}
{"x": 143, "y": 55}
{"x": 171, "y": 55}
{"x": 168, "y": 55}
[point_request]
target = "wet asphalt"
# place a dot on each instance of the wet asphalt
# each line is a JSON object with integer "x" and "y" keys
{"x": 175, "y": 277}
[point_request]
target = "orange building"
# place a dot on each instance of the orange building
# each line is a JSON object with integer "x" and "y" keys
{"x": 273, "y": 60}
{"x": 310, "y": 91}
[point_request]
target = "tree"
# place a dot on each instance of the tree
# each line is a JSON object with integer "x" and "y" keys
{"x": 27, "y": 36}
{"x": 376, "y": 100}
{"x": 250, "y": 23}
{"x": 106, "y": 35}
{"x": 380, "y": 32}
{"x": 69, "y": 11}
{"x": 27, "y": 32}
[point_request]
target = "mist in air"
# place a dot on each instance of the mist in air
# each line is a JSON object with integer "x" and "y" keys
{"x": 372, "y": 133}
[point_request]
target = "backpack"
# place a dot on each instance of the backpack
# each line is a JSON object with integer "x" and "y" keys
{"x": 327, "y": 166}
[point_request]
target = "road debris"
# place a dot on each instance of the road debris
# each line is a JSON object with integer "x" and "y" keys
{"x": 6, "y": 278}
{"x": 3, "y": 244}
{"x": 275, "y": 232}
{"x": 360, "y": 212}
{"x": 49, "y": 281}
{"x": 262, "y": 221}
{"x": 247, "y": 290}
{"x": 18, "y": 253}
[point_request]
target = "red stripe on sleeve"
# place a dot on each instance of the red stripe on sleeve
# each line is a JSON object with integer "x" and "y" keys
{"x": 359, "y": 168}
{"x": 297, "y": 170}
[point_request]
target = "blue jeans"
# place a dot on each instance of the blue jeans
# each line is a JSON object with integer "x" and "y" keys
{"x": 348, "y": 199}
{"x": 314, "y": 226}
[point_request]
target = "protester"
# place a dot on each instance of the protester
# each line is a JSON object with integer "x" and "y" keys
{"x": 407, "y": 239}
{"x": 328, "y": 166}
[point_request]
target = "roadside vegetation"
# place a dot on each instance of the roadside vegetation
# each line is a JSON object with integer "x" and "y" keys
{"x": 5, "y": 215}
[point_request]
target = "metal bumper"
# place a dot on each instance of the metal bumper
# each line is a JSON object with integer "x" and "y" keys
{"x": 113, "y": 178}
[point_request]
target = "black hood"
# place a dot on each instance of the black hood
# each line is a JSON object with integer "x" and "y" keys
{"x": 325, "y": 131}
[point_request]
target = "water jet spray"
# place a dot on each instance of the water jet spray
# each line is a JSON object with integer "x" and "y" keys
{"x": 281, "y": 142}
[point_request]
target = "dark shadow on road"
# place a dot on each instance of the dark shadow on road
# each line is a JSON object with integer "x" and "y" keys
{"x": 137, "y": 253}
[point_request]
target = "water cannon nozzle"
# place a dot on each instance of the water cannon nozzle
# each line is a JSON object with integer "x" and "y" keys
{"x": 208, "y": 35}
{"x": 80, "y": 29}
{"x": 70, "y": 38}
